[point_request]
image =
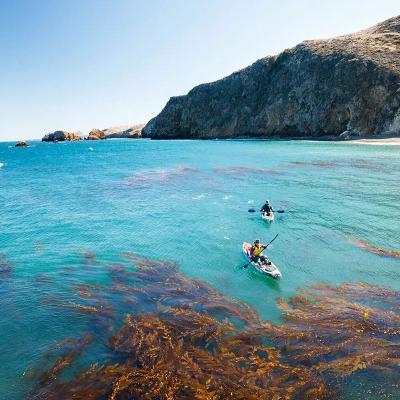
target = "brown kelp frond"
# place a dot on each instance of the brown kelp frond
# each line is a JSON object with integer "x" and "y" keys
{"x": 246, "y": 170}
{"x": 165, "y": 356}
{"x": 193, "y": 326}
{"x": 88, "y": 257}
{"x": 365, "y": 245}
{"x": 329, "y": 329}
{"x": 161, "y": 267}
{"x": 72, "y": 349}
{"x": 6, "y": 267}
{"x": 149, "y": 177}
{"x": 161, "y": 283}
{"x": 169, "y": 359}
{"x": 317, "y": 164}
{"x": 180, "y": 339}
{"x": 87, "y": 309}
{"x": 364, "y": 292}
{"x": 371, "y": 358}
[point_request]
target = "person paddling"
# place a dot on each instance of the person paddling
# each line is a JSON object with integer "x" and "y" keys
{"x": 266, "y": 208}
{"x": 255, "y": 252}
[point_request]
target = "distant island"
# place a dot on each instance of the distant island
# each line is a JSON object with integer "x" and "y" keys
{"x": 125, "y": 131}
{"x": 342, "y": 88}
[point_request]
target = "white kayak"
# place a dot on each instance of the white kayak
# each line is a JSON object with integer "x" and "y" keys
{"x": 266, "y": 268}
{"x": 268, "y": 217}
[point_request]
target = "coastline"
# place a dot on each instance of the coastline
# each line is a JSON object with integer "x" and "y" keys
{"x": 381, "y": 139}
{"x": 389, "y": 141}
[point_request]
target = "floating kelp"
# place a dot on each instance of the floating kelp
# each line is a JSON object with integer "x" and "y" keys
{"x": 88, "y": 257}
{"x": 179, "y": 338}
{"x": 317, "y": 164}
{"x": 364, "y": 292}
{"x": 365, "y": 245}
{"x": 6, "y": 267}
{"x": 329, "y": 329}
{"x": 325, "y": 164}
{"x": 372, "y": 165}
{"x": 70, "y": 350}
{"x": 150, "y": 177}
{"x": 246, "y": 170}
{"x": 181, "y": 354}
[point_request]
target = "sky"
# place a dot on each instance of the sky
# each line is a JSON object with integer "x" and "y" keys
{"x": 82, "y": 64}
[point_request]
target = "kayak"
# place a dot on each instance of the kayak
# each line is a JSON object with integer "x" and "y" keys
{"x": 268, "y": 268}
{"x": 267, "y": 217}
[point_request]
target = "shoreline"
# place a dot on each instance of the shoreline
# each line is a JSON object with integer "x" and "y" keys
{"x": 365, "y": 139}
{"x": 387, "y": 140}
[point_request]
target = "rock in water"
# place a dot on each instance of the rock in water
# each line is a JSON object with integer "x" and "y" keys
{"x": 96, "y": 134}
{"x": 61, "y": 136}
{"x": 126, "y": 131}
{"x": 342, "y": 86}
{"x": 22, "y": 144}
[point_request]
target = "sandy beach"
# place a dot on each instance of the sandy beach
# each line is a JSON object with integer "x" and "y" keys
{"x": 393, "y": 141}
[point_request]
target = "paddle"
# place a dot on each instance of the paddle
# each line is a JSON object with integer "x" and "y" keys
{"x": 246, "y": 265}
{"x": 252, "y": 210}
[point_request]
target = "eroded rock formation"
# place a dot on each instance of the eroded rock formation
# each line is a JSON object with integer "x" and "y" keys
{"x": 61, "y": 136}
{"x": 96, "y": 134}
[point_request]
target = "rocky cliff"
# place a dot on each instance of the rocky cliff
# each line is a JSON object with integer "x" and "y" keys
{"x": 125, "y": 131}
{"x": 341, "y": 86}
{"x": 61, "y": 136}
{"x": 96, "y": 134}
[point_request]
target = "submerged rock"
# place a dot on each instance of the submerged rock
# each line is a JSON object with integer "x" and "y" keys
{"x": 22, "y": 144}
{"x": 126, "y": 131}
{"x": 96, "y": 134}
{"x": 61, "y": 136}
{"x": 347, "y": 85}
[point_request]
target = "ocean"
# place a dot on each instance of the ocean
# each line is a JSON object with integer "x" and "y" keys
{"x": 67, "y": 212}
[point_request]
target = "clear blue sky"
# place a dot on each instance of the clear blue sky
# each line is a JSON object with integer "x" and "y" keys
{"x": 82, "y": 64}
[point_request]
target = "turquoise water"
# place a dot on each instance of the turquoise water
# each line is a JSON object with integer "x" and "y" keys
{"x": 185, "y": 201}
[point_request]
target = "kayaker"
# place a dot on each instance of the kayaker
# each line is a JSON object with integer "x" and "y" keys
{"x": 266, "y": 208}
{"x": 256, "y": 250}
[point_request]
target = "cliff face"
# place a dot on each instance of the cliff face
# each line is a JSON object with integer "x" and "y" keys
{"x": 61, "y": 136}
{"x": 345, "y": 85}
{"x": 96, "y": 134}
{"x": 126, "y": 131}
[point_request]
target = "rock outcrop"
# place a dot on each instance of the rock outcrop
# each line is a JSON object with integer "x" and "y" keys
{"x": 126, "y": 131}
{"x": 61, "y": 136}
{"x": 96, "y": 134}
{"x": 338, "y": 87}
{"x": 22, "y": 144}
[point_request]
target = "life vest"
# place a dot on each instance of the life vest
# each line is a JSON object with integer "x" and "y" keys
{"x": 256, "y": 251}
